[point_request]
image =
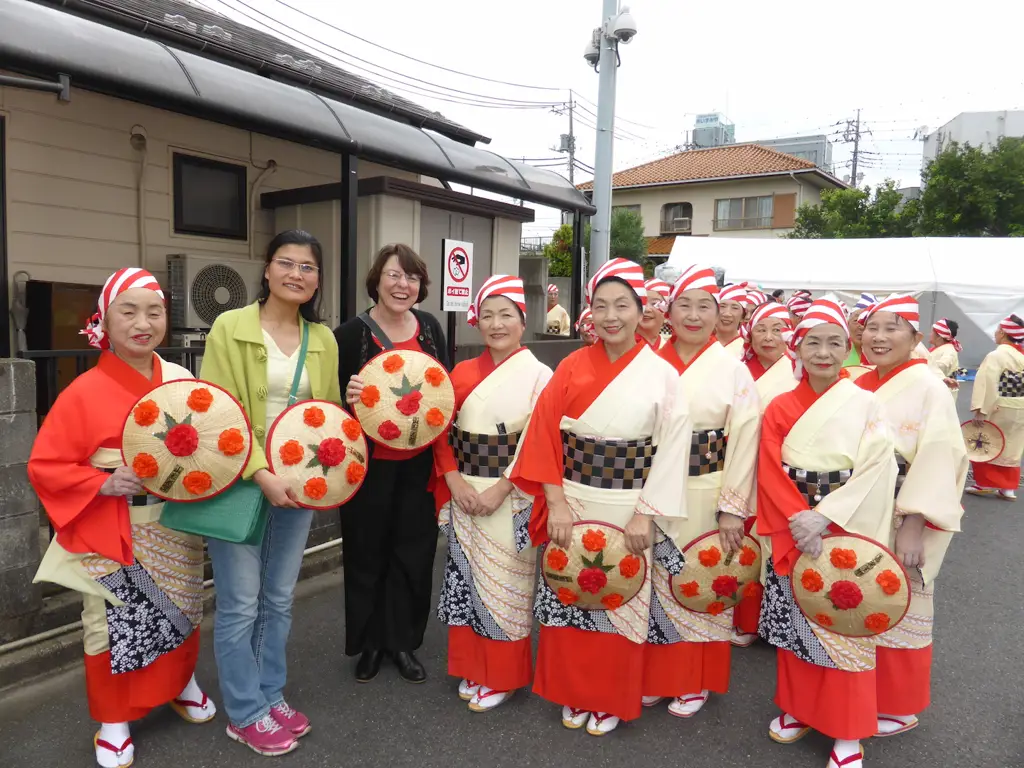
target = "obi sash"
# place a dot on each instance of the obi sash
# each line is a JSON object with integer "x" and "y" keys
{"x": 707, "y": 452}
{"x": 815, "y": 486}
{"x": 607, "y": 464}
{"x": 483, "y": 455}
{"x": 1011, "y": 384}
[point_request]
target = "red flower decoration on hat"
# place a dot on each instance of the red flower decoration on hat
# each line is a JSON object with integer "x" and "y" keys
{"x": 388, "y": 430}
{"x": 845, "y": 595}
{"x": 330, "y": 452}
{"x": 146, "y": 413}
{"x": 200, "y": 400}
{"x": 351, "y": 429}
{"x": 709, "y": 557}
{"x": 629, "y": 566}
{"x": 409, "y": 404}
{"x": 557, "y": 560}
{"x": 313, "y": 417}
{"x": 291, "y": 453}
{"x": 434, "y": 376}
{"x": 370, "y": 396}
{"x": 592, "y": 580}
{"x": 877, "y": 622}
{"x": 889, "y": 582}
{"x": 567, "y": 596}
{"x": 612, "y": 601}
{"x": 823, "y": 619}
{"x": 812, "y": 581}
{"x": 393, "y": 363}
{"x": 354, "y": 473}
{"x": 145, "y": 466}
{"x": 753, "y": 591}
{"x": 725, "y": 585}
{"x": 435, "y": 417}
{"x": 594, "y": 541}
{"x": 315, "y": 488}
{"x": 747, "y": 556}
{"x": 231, "y": 442}
{"x": 690, "y": 589}
{"x": 716, "y": 608}
{"x": 182, "y": 440}
{"x": 843, "y": 558}
{"x": 197, "y": 483}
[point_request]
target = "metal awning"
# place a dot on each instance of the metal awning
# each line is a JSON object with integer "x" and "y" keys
{"x": 43, "y": 41}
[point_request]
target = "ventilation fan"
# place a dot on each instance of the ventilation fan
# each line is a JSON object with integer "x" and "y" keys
{"x": 202, "y": 288}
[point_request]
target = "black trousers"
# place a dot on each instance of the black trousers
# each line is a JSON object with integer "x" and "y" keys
{"x": 389, "y": 536}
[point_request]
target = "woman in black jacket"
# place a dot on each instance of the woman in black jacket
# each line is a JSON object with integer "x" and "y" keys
{"x": 389, "y": 528}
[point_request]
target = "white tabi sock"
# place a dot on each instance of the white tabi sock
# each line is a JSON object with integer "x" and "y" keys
{"x": 115, "y": 733}
{"x": 192, "y": 691}
{"x": 845, "y": 748}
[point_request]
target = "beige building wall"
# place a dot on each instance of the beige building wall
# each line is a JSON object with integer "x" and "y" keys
{"x": 72, "y": 175}
{"x": 702, "y": 196}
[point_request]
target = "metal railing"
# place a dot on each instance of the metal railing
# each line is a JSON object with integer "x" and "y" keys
{"x": 55, "y": 368}
{"x": 676, "y": 226}
{"x": 750, "y": 222}
{"x": 533, "y": 244}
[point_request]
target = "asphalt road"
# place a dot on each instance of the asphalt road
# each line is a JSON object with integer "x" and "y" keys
{"x": 975, "y": 720}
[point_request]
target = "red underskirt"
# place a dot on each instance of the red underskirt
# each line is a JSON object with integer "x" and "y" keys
{"x": 592, "y": 671}
{"x": 132, "y": 695}
{"x": 838, "y": 704}
{"x": 682, "y": 668}
{"x": 501, "y": 665}
{"x": 904, "y": 680}
{"x": 747, "y": 613}
{"x": 988, "y": 475}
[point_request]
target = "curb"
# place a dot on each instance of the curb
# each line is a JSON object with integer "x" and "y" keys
{"x": 61, "y": 653}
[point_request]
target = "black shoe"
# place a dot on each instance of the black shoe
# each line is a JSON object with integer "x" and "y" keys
{"x": 410, "y": 668}
{"x": 368, "y": 665}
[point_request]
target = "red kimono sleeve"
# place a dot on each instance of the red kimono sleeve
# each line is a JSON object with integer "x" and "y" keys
{"x": 777, "y": 498}
{"x": 68, "y": 486}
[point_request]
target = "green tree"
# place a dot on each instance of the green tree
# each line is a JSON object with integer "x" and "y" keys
{"x": 627, "y": 239}
{"x": 970, "y": 192}
{"x": 559, "y": 252}
{"x": 852, "y": 213}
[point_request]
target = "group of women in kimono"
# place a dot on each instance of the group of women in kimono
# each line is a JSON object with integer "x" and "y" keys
{"x": 690, "y": 408}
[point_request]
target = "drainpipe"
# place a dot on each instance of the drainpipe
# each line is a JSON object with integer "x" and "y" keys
{"x": 141, "y": 145}
{"x": 253, "y": 197}
{"x": 799, "y": 189}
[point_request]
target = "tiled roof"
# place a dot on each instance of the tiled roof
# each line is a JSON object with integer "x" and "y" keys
{"x": 660, "y": 246}
{"x": 730, "y": 161}
{"x": 184, "y": 24}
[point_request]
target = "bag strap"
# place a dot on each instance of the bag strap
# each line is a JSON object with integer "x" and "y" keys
{"x": 300, "y": 364}
{"x": 377, "y": 331}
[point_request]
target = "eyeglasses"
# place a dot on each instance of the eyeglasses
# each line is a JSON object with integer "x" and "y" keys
{"x": 397, "y": 277}
{"x": 306, "y": 270}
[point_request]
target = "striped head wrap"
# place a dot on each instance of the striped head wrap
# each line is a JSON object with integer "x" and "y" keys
{"x": 901, "y": 304}
{"x": 825, "y": 310}
{"x": 658, "y": 286}
{"x": 552, "y": 288}
{"x": 866, "y": 300}
{"x": 736, "y": 292}
{"x": 509, "y": 286}
{"x": 944, "y": 332}
{"x": 119, "y": 282}
{"x": 798, "y": 304}
{"x": 756, "y": 298}
{"x": 1013, "y": 327}
{"x": 695, "y": 278}
{"x": 764, "y": 312}
{"x": 628, "y": 271}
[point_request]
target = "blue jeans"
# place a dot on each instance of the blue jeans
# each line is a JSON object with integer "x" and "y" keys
{"x": 255, "y": 588}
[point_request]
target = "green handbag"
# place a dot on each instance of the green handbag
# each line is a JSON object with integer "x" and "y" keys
{"x": 239, "y": 514}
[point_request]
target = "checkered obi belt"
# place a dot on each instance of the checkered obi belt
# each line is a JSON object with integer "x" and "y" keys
{"x": 1011, "y": 384}
{"x": 483, "y": 455}
{"x": 815, "y": 486}
{"x": 707, "y": 452}
{"x": 607, "y": 464}
{"x": 902, "y": 466}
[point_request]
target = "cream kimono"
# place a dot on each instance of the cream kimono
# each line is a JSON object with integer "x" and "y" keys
{"x": 999, "y": 395}
{"x": 933, "y": 465}
{"x": 734, "y": 347}
{"x": 945, "y": 361}
{"x": 726, "y": 416}
{"x": 842, "y": 436}
{"x": 488, "y": 581}
{"x": 775, "y": 381}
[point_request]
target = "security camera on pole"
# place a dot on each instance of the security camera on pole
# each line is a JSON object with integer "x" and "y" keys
{"x": 602, "y": 53}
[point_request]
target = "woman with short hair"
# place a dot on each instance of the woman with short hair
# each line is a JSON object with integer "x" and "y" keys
{"x": 389, "y": 528}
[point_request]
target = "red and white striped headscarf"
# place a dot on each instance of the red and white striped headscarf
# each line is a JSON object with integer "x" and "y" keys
{"x": 944, "y": 332}
{"x": 756, "y": 298}
{"x": 1013, "y": 328}
{"x": 119, "y": 282}
{"x": 798, "y": 304}
{"x": 509, "y": 286}
{"x": 585, "y": 322}
{"x": 822, "y": 311}
{"x": 695, "y": 278}
{"x": 901, "y": 304}
{"x": 658, "y": 286}
{"x": 765, "y": 312}
{"x": 628, "y": 271}
{"x": 552, "y": 288}
{"x": 736, "y": 292}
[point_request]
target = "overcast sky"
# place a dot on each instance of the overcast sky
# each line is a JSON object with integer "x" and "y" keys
{"x": 783, "y": 69}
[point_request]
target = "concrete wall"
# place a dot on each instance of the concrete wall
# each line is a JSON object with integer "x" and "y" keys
{"x": 979, "y": 129}
{"x": 20, "y": 599}
{"x": 702, "y": 197}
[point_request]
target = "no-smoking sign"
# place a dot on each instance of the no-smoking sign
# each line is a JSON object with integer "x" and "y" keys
{"x": 458, "y": 275}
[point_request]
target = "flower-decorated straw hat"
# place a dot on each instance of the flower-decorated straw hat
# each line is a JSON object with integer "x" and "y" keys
{"x": 408, "y": 400}
{"x": 187, "y": 440}
{"x": 597, "y": 571}
{"x": 984, "y": 442}
{"x": 319, "y": 449}
{"x": 855, "y": 588}
{"x": 712, "y": 581}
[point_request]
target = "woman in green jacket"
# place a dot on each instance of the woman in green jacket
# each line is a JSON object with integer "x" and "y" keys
{"x": 253, "y": 353}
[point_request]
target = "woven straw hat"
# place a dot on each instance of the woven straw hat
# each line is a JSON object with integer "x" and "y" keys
{"x": 855, "y": 588}
{"x": 597, "y": 572}
{"x": 408, "y": 400}
{"x": 856, "y": 371}
{"x": 711, "y": 581}
{"x": 983, "y": 443}
{"x": 320, "y": 450}
{"x": 187, "y": 440}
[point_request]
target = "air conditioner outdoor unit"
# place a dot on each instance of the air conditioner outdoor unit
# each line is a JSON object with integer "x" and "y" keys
{"x": 682, "y": 224}
{"x": 203, "y": 287}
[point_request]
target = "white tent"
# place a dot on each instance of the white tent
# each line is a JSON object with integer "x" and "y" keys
{"x": 975, "y": 281}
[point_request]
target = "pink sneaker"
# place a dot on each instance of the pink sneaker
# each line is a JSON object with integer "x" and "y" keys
{"x": 293, "y": 721}
{"x": 265, "y": 737}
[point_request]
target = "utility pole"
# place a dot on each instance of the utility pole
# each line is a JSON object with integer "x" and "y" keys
{"x": 851, "y": 135}
{"x": 572, "y": 144}
{"x": 600, "y": 231}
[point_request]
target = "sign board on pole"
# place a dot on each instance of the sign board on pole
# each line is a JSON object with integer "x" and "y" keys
{"x": 458, "y": 275}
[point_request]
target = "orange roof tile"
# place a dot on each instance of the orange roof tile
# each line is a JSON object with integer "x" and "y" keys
{"x": 729, "y": 161}
{"x": 660, "y": 246}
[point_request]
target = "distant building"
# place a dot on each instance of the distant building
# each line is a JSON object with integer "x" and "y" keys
{"x": 979, "y": 129}
{"x": 817, "y": 149}
{"x": 713, "y": 130}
